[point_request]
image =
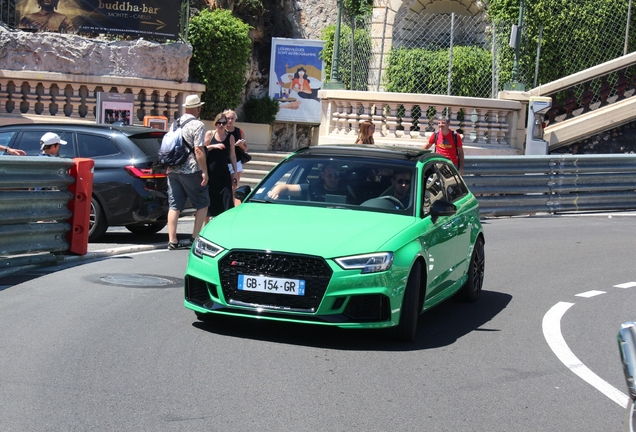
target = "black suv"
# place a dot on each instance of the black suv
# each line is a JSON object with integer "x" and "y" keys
{"x": 129, "y": 187}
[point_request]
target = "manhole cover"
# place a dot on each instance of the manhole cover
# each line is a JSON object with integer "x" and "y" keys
{"x": 139, "y": 280}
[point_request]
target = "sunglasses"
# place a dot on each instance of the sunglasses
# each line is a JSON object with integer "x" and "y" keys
{"x": 221, "y": 123}
{"x": 403, "y": 181}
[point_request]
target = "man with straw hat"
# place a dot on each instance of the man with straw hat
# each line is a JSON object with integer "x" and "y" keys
{"x": 190, "y": 179}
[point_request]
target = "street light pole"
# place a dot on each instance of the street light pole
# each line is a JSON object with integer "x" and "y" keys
{"x": 334, "y": 81}
{"x": 514, "y": 84}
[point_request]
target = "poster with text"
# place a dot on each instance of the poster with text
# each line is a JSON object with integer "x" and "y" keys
{"x": 115, "y": 108}
{"x": 295, "y": 76}
{"x": 156, "y": 18}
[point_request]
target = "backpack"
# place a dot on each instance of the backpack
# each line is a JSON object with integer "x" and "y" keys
{"x": 174, "y": 149}
{"x": 454, "y": 139}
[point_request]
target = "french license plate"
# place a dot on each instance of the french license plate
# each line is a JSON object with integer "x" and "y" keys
{"x": 271, "y": 285}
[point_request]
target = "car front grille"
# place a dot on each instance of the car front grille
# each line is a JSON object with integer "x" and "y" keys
{"x": 313, "y": 270}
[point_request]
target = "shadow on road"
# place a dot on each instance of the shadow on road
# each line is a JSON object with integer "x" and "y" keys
{"x": 439, "y": 327}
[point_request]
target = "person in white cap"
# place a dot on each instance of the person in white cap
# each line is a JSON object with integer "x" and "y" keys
{"x": 50, "y": 144}
{"x": 190, "y": 179}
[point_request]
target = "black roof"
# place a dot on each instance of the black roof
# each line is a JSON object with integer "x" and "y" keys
{"x": 126, "y": 130}
{"x": 367, "y": 150}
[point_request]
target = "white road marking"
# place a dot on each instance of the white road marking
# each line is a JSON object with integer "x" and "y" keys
{"x": 552, "y": 333}
{"x": 626, "y": 285}
{"x": 589, "y": 294}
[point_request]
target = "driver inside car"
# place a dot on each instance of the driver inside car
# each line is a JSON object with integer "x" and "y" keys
{"x": 401, "y": 182}
{"x": 327, "y": 186}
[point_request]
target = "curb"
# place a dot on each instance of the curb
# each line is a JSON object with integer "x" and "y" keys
{"x": 50, "y": 260}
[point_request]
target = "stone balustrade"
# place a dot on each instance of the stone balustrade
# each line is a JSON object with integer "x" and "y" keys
{"x": 50, "y": 96}
{"x": 488, "y": 126}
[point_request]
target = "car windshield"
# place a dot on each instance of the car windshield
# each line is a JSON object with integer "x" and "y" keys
{"x": 357, "y": 183}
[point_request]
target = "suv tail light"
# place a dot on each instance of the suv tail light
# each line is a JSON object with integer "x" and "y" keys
{"x": 144, "y": 173}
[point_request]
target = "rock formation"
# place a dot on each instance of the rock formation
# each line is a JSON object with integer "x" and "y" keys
{"x": 76, "y": 55}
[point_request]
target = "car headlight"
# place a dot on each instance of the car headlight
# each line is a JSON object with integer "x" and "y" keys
{"x": 369, "y": 263}
{"x": 203, "y": 247}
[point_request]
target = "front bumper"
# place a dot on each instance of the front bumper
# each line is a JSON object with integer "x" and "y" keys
{"x": 333, "y": 296}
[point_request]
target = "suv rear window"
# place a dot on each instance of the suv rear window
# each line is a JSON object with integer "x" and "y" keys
{"x": 148, "y": 143}
{"x": 92, "y": 146}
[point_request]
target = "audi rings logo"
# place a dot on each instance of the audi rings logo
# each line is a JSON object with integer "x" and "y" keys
{"x": 273, "y": 264}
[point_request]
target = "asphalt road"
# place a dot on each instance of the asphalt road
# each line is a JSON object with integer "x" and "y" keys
{"x": 107, "y": 345}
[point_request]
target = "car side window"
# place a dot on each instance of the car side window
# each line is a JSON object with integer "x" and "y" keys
{"x": 5, "y": 138}
{"x": 453, "y": 184}
{"x": 29, "y": 141}
{"x": 95, "y": 146}
{"x": 433, "y": 189}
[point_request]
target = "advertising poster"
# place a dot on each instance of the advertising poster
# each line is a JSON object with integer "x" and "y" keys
{"x": 296, "y": 74}
{"x": 157, "y": 18}
{"x": 115, "y": 108}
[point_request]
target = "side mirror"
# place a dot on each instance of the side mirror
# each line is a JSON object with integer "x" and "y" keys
{"x": 443, "y": 208}
{"x": 241, "y": 192}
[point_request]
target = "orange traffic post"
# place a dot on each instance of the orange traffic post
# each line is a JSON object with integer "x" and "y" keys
{"x": 80, "y": 205}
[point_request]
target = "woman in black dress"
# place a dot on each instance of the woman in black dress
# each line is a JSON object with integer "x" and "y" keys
{"x": 239, "y": 141}
{"x": 220, "y": 147}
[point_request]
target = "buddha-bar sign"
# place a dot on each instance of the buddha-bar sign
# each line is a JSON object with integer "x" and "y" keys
{"x": 154, "y": 18}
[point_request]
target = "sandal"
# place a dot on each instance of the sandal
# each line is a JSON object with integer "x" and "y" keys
{"x": 183, "y": 244}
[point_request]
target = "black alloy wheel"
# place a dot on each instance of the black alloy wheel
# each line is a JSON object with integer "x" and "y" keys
{"x": 472, "y": 288}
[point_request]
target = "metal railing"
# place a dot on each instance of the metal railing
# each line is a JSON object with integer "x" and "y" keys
{"x": 33, "y": 220}
{"x": 36, "y": 221}
{"x": 516, "y": 185}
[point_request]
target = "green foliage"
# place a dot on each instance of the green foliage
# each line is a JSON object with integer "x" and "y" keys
{"x": 576, "y": 34}
{"x": 261, "y": 110}
{"x": 358, "y": 7}
{"x": 220, "y": 53}
{"x": 419, "y": 70}
{"x": 361, "y": 59}
{"x": 251, "y": 7}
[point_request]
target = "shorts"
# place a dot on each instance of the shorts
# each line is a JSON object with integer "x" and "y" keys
{"x": 182, "y": 186}
{"x": 239, "y": 167}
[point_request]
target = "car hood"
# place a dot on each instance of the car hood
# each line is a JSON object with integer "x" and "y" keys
{"x": 328, "y": 232}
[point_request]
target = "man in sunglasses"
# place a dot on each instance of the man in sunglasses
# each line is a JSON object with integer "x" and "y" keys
{"x": 401, "y": 181}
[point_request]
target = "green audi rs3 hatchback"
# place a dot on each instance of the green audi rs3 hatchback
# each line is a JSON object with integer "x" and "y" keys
{"x": 347, "y": 236}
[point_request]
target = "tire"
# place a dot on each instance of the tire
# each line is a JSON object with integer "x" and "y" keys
{"x": 146, "y": 228}
{"x": 472, "y": 288}
{"x": 406, "y": 330}
{"x": 97, "y": 225}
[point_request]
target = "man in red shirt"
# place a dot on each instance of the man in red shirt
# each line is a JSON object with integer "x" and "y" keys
{"x": 448, "y": 143}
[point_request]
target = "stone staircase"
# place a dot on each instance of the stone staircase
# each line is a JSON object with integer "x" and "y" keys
{"x": 262, "y": 162}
